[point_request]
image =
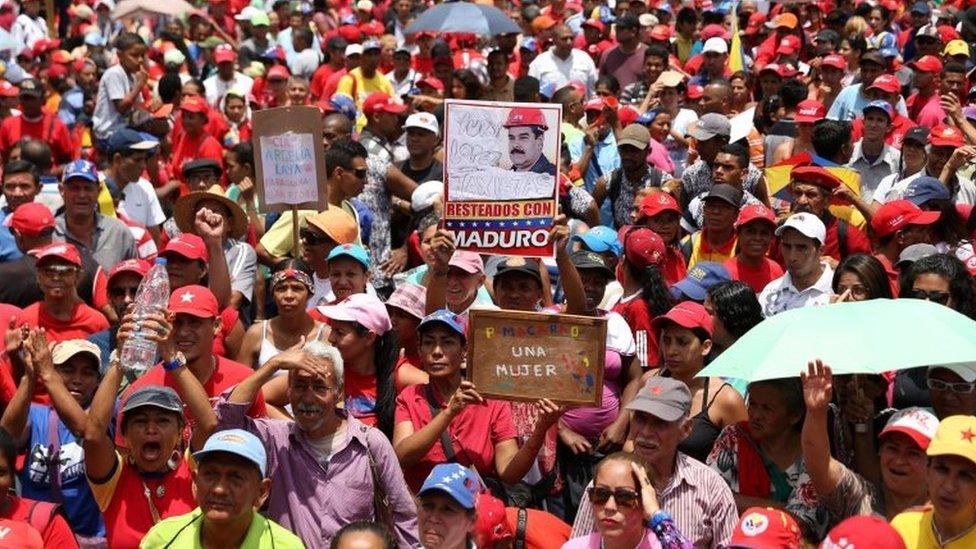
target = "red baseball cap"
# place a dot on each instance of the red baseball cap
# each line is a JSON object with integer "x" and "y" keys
{"x": 927, "y": 63}
{"x": 32, "y": 219}
{"x": 60, "y": 250}
{"x": 862, "y": 532}
{"x": 531, "y": 116}
{"x": 756, "y": 22}
{"x": 137, "y": 266}
{"x": 381, "y": 102}
{"x": 789, "y": 45}
{"x": 351, "y": 33}
{"x": 810, "y": 110}
{"x": 491, "y": 525}
{"x": 943, "y": 135}
{"x": 55, "y": 71}
{"x": 627, "y": 115}
{"x": 774, "y": 68}
{"x": 594, "y": 24}
{"x": 194, "y": 300}
{"x": 278, "y": 71}
{"x": 898, "y": 214}
{"x": 373, "y": 28}
{"x": 8, "y": 90}
{"x": 187, "y": 245}
{"x": 432, "y": 82}
{"x": 887, "y": 83}
{"x": 815, "y": 175}
{"x": 834, "y": 60}
{"x": 657, "y": 202}
{"x": 687, "y": 314}
{"x": 595, "y": 104}
{"x": 765, "y": 528}
{"x": 224, "y": 54}
{"x": 947, "y": 33}
{"x": 194, "y": 104}
{"x": 661, "y": 33}
{"x": 712, "y": 31}
{"x": 694, "y": 92}
{"x": 642, "y": 246}
{"x": 755, "y": 212}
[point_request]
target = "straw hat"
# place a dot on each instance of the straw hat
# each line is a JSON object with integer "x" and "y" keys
{"x": 185, "y": 210}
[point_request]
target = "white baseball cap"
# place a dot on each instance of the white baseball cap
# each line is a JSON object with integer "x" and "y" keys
{"x": 715, "y": 44}
{"x": 808, "y": 224}
{"x": 424, "y": 121}
{"x": 965, "y": 370}
{"x": 354, "y": 49}
{"x": 918, "y": 423}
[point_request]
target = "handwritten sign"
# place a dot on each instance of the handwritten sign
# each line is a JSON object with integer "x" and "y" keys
{"x": 516, "y": 355}
{"x": 501, "y": 175}
{"x": 289, "y": 159}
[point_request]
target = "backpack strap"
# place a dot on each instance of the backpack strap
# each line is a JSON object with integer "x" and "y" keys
{"x": 54, "y": 453}
{"x": 446, "y": 443}
{"x": 40, "y": 515}
{"x": 520, "y": 527}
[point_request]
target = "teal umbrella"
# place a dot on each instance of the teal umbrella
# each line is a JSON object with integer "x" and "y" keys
{"x": 873, "y": 336}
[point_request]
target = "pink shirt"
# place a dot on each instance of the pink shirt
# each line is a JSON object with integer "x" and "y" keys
{"x": 659, "y": 157}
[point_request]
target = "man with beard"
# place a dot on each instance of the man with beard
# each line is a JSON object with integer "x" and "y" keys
{"x": 526, "y": 138}
{"x": 701, "y": 503}
{"x": 634, "y": 174}
{"x": 501, "y": 86}
{"x": 812, "y": 187}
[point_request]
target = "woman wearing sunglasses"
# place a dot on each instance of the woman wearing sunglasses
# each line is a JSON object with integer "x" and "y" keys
{"x": 626, "y": 508}
{"x": 943, "y": 279}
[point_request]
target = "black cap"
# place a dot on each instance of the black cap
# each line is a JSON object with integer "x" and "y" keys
{"x": 874, "y": 56}
{"x": 202, "y": 164}
{"x": 627, "y": 21}
{"x": 30, "y": 86}
{"x": 828, "y": 35}
{"x": 727, "y": 193}
{"x": 584, "y": 259}
{"x": 918, "y": 134}
{"x": 518, "y": 264}
{"x": 337, "y": 43}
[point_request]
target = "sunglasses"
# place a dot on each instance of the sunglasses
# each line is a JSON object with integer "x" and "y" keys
{"x": 58, "y": 270}
{"x": 360, "y": 172}
{"x": 934, "y": 296}
{"x": 621, "y": 496}
{"x": 939, "y": 385}
{"x": 311, "y": 238}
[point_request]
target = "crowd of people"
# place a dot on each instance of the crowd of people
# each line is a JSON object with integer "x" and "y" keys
{"x": 721, "y": 163}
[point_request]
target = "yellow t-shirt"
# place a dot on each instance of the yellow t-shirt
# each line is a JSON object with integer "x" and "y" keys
{"x": 915, "y": 527}
{"x": 355, "y": 85}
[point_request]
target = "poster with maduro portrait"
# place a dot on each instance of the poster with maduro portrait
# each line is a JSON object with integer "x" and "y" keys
{"x": 501, "y": 175}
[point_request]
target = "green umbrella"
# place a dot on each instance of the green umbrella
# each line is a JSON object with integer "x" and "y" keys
{"x": 873, "y": 336}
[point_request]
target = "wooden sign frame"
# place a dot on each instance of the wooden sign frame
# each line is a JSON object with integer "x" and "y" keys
{"x": 283, "y": 120}
{"x": 540, "y": 335}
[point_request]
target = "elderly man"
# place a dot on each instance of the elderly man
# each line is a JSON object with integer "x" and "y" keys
{"x": 526, "y": 138}
{"x": 808, "y": 279}
{"x": 812, "y": 188}
{"x": 323, "y": 449}
{"x": 563, "y": 64}
{"x": 105, "y": 239}
{"x": 699, "y": 500}
{"x": 230, "y": 484}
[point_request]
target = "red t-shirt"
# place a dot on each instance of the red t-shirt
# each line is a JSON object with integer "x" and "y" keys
{"x": 125, "y": 507}
{"x": 319, "y": 78}
{"x": 675, "y": 268}
{"x": 756, "y": 277}
{"x": 361, "y": 396}
{"x": 191, "y": 148}
{"x": 474, "y": 433}
{"x": 332, "y": 83}
{"x": 542, "y": 530}
{"x": 891, "y": 272}
{"x": 896, "y": 131}
{"x": 226, "y": 375}
{"x": 56, "y": 535}
{"x": 638, "y": 316}
{"x": 84, "y": 322}
{"x": 49, "y": 128}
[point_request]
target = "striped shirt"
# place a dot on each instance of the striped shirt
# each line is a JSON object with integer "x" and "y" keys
{"x": 697, "y": 498}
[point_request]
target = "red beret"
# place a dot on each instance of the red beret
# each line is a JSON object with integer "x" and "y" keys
{"x": 815, "y": 175}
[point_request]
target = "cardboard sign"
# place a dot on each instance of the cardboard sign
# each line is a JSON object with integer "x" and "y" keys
{"x": 516, "y": 355}
{"x": 289, "y": 159}
{"x": 501, "y": 177}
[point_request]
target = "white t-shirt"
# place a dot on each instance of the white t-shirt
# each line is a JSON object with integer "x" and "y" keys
{"x": 140, "y": 204}
{"x": 216, "y": 88}
{"x": 781, "y": 295}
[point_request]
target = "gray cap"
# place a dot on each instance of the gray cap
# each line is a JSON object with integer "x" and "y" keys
{"x": 913, "y": 253}
{"x": 725, "y": 192}
{"x": 664, "y": 398}
{"x": 156, "y": 396}
{"x": 710, "y": 125}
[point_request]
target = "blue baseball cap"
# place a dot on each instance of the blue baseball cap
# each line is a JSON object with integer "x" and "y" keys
{"x": 547, "y": 88}
{"x": 81, "y": 168}
{"x": 457, "y": 481}
{"x": 127, "y": 139}
{"x": 238, "y": 442}
{"x": 344, "y": 104}
{"x": 446, "y": 318}
{"x": 354, "y": 251}
{"x": 700, "y": 278}
{"x": 601, "y": 239}
{"x": 881, "y": 105}
{"x": 921, "y": 8}
{"x": 529, "y": 43}
{"x": 926, "y": 188}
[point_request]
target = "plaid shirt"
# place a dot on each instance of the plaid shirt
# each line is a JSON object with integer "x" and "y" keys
{"x": 635, "y": 93}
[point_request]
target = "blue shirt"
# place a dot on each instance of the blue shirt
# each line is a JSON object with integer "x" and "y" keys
{"x": 605, "y": 159}
{"x": 850, "y": 102}
{"x": 76, "y": 497}
{"x": 8, "y": 246}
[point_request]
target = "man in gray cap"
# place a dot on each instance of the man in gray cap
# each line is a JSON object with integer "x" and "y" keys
{"x": 711, "y": 135}
{"x": 696, "y": 496}
{"x": 621, "y": 185}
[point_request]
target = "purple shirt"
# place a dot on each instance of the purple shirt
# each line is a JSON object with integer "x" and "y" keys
{"x": 315, "y": 502}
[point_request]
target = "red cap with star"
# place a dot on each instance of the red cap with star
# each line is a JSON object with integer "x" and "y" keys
{"x": 194, "y": 300}
{"x": 59, "y": 250}
{"x": 956, "y": 436}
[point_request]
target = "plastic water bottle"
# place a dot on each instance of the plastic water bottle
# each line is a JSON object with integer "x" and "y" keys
{"x": 139, "y": 353}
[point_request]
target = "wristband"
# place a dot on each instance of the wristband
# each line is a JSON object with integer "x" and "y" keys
{"x": 656, "y": 519}
{"x": 178, "y": 362}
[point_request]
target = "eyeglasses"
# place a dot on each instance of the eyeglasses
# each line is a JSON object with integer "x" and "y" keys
{"x": 311, "y": 238}
{"x": 857, "y": 290}
{"x": 939, "y": 385}
{"x": 200, "y": 176}
{"x": 621, "y": 496}
{"x": 123, "y": 292}
{"x": 934, "y": 296}
{"x": 54, "y": 271}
